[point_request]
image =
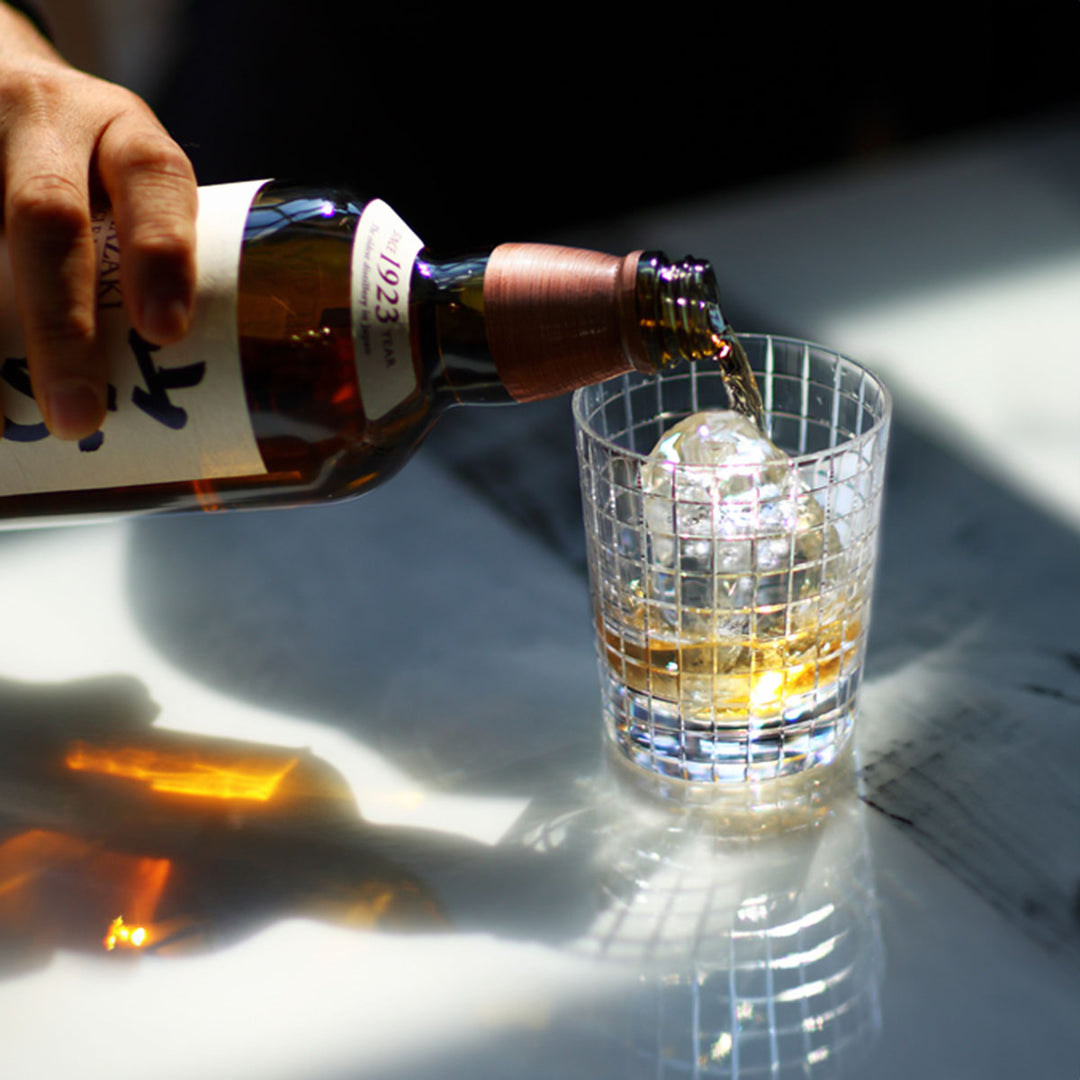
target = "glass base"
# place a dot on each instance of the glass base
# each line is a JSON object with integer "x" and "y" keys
{"x": 656, "y": 736}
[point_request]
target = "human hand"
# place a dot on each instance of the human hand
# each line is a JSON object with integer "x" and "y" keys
{"x": 67, "y": 138}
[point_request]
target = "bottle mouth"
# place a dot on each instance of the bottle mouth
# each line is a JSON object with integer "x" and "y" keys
{"x": 679, "y": 301}
{"x": 697, "y": 275}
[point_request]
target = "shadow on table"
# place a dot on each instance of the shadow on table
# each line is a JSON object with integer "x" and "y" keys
{"x": 969, "y": 729}
{"x": 422, "y": 621}
{"x": 120, "y": 837}
{"x": 121, "y": 840}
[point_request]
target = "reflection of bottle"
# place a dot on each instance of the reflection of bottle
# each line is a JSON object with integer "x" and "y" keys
{"x": 316, "y": 365}
{"x": 123, "y": 839}
{"x": 165, "y": 842}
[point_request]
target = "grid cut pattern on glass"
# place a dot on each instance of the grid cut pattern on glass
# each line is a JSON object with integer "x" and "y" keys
{"x": 732, "y": 599}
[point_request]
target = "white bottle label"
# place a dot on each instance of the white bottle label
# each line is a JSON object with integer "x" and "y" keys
{"x": 384, "y": 252}
{"x": 175, "y": 413}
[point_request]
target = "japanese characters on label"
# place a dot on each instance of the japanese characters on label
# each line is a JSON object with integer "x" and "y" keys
{"x": 174, "y": 413}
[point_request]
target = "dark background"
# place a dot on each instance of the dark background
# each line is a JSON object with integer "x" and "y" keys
{"x": 484, "y": 122}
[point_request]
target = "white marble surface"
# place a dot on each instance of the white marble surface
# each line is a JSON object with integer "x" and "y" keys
{"x": 438, "y": 661}
{"x": 359, "y": 632}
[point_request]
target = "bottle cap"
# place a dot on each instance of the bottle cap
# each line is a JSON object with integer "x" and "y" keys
{"x": 558, "y": 318}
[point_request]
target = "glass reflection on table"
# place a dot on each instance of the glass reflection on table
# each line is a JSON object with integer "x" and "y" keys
{"x": 746, "y": 954}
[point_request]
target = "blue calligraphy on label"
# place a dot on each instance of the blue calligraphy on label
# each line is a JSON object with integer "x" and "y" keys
{"x": 154, "y": 401}
{"x": 153, "y": 398}
{"x": 14, "y": 372}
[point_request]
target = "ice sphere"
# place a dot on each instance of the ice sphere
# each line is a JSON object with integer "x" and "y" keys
{"x": 737, "y": 544}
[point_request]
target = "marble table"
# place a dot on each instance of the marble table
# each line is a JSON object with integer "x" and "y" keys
{"x": 450, "y": 880}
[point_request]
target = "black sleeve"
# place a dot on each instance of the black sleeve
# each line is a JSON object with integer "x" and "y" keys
{"x": 31, "y": 12}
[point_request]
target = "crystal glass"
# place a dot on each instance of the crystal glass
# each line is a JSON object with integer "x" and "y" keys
{"x": 732, "y": 599}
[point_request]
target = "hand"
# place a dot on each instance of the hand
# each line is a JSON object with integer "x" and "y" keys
{"x": 65, "y": 138}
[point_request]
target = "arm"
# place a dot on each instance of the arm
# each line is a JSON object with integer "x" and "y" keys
{"x": 66, "y": 138}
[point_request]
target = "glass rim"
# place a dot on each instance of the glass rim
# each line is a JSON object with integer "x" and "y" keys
{"x": 583, "y": 423}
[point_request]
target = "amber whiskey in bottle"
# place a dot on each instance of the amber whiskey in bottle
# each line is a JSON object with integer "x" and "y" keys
{"x": 341, "y": 340}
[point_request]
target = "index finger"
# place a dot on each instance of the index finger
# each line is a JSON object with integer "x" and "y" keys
{"x": 47, "y": 218}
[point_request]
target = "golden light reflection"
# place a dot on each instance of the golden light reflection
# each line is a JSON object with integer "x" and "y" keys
{"x": 37, "y": 868}
{"x": 146, "y": 869}
{"x": 148, "y": 884}
{"x": 25, "y": 857}
{"x": 146, "y": 878}
{"x": 119, "y": 933}
{"x": 768, "y": 689}
{"x": 184, "y": 774}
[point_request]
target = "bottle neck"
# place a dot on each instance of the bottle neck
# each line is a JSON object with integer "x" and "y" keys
{"x": 532, "y": 321}
{"x": 449, "y": 303}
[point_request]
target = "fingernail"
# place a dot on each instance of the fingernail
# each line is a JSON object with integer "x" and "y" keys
{"x": 75, "y": 408}
{"x": 165, "y": 318}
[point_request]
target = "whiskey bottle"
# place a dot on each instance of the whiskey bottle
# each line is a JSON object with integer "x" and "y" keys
{"x": 326, "y": 341}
